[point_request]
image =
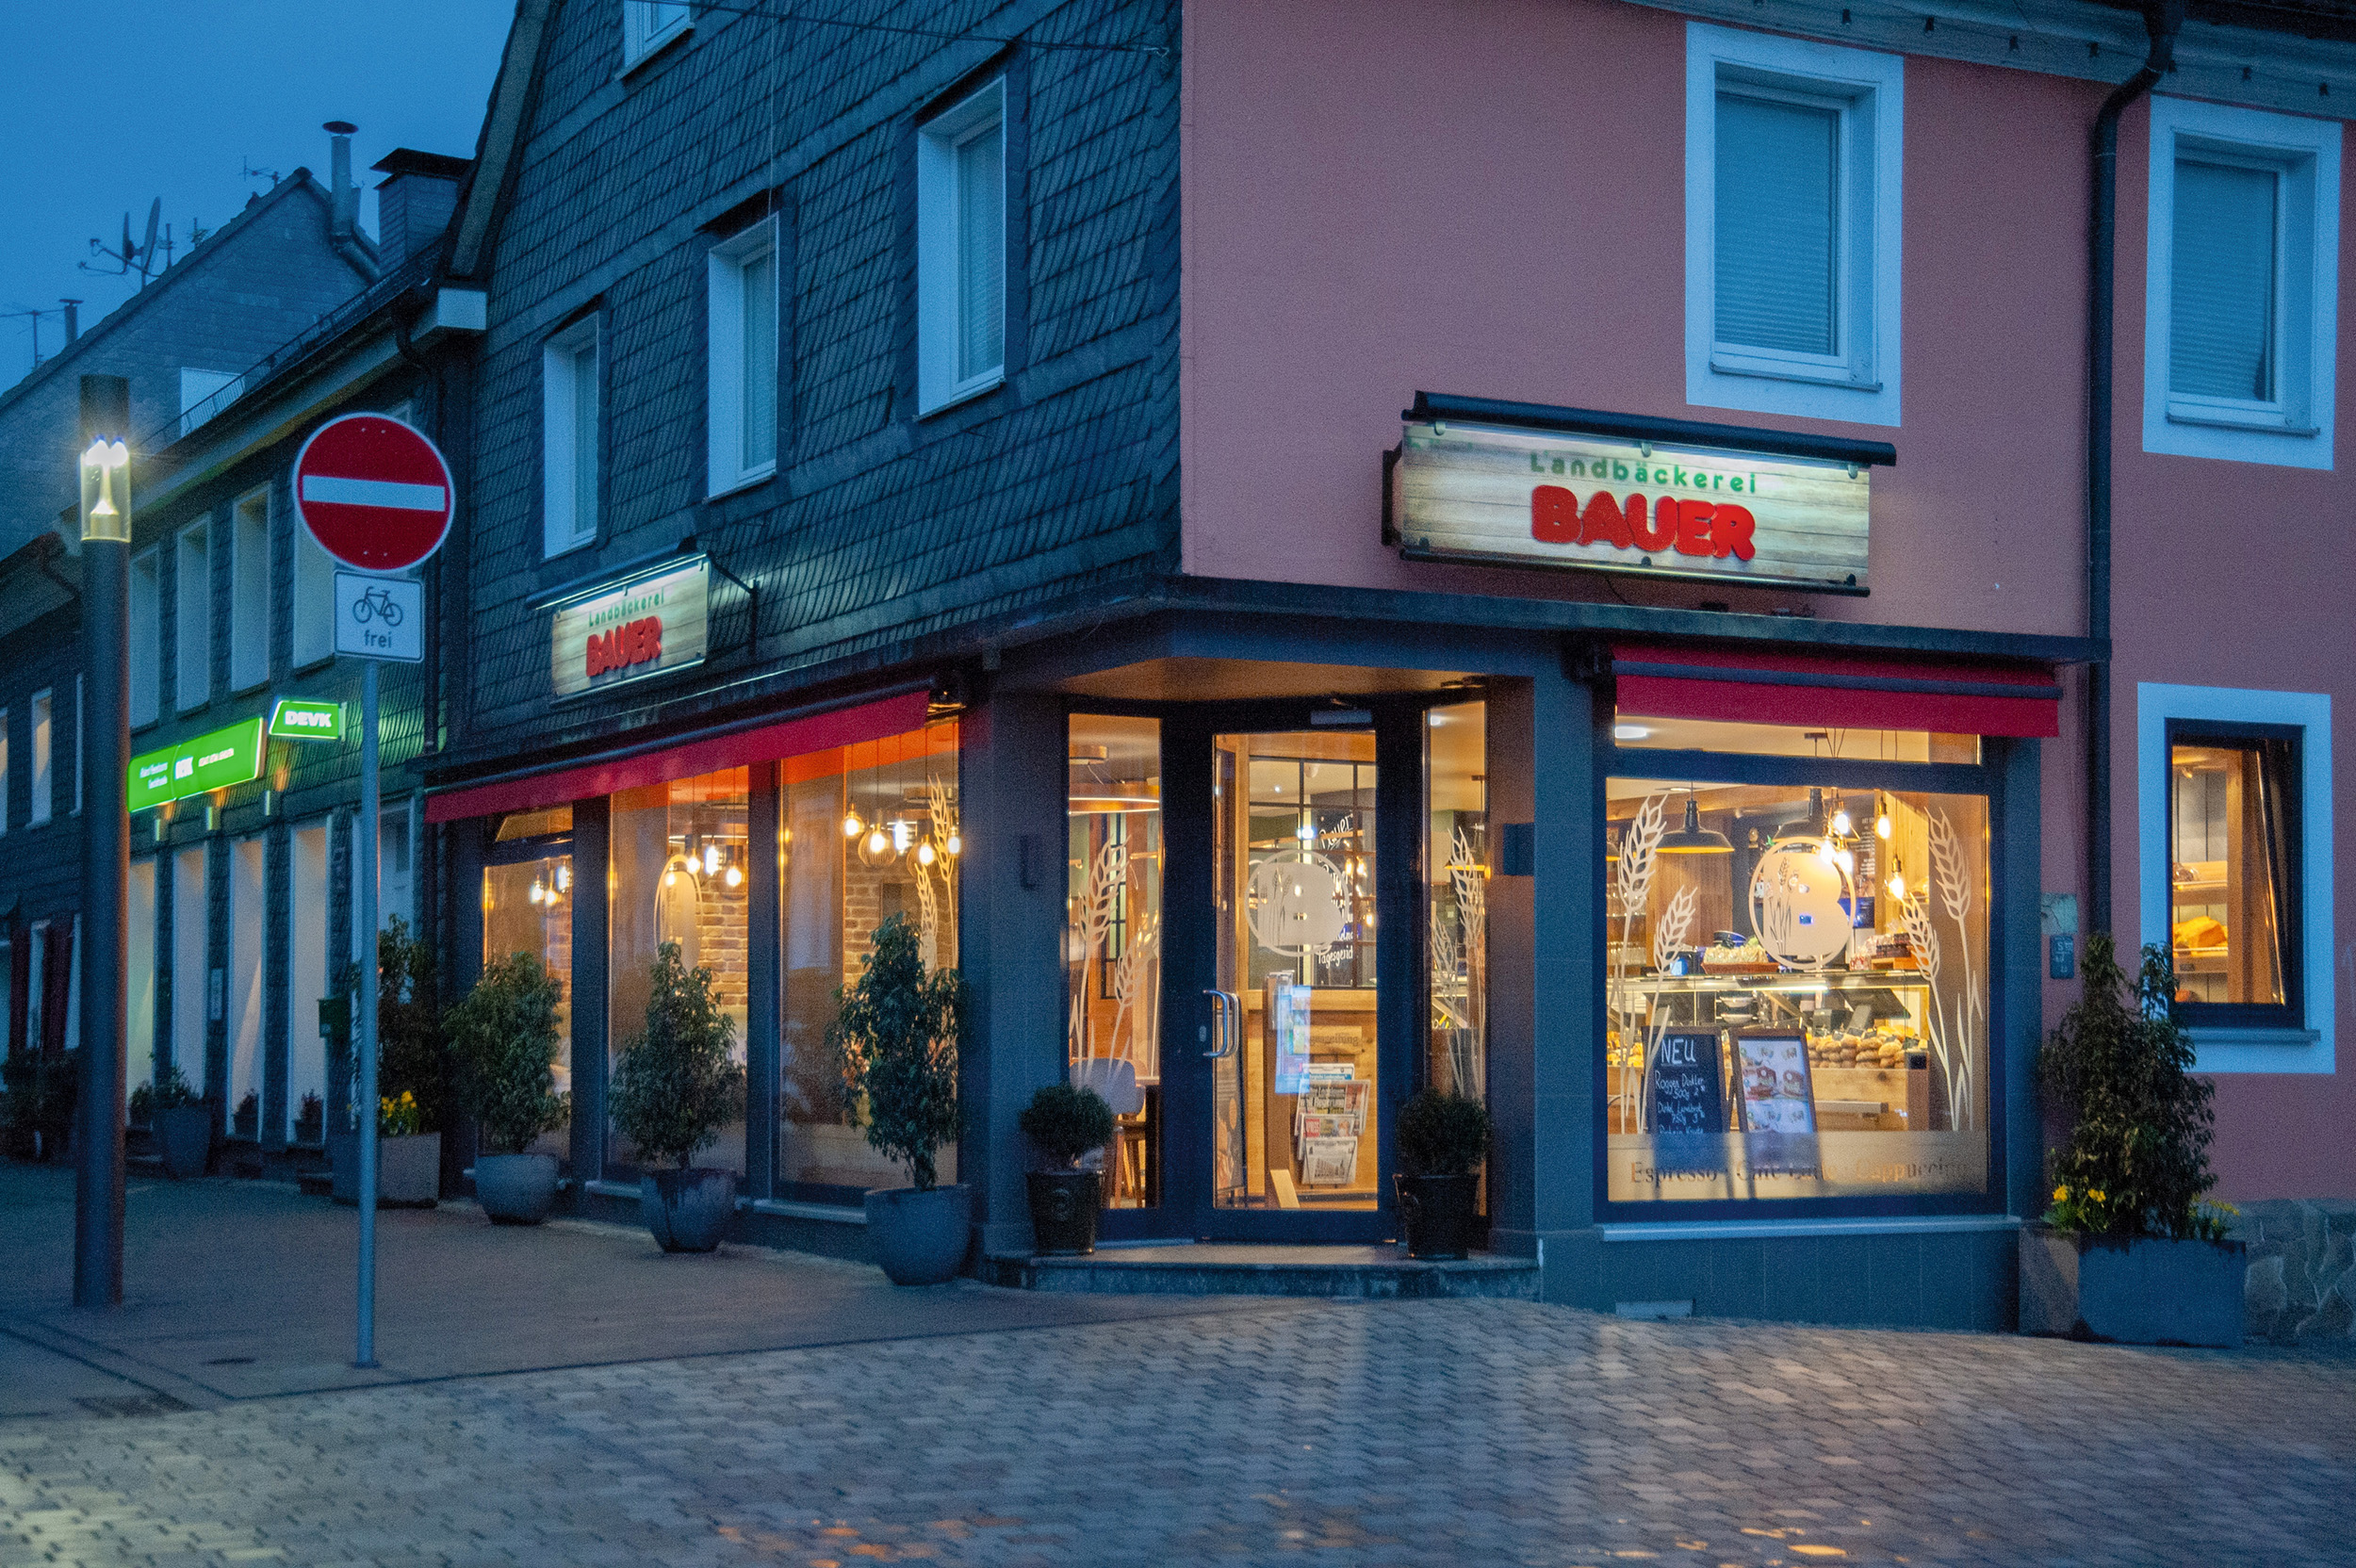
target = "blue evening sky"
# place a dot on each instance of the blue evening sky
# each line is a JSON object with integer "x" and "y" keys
{"x": 105, "y": 105}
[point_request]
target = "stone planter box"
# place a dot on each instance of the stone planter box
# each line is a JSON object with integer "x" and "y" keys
{"x": 2131, "y": 1293}
{"x": 408, "y": 1169}
{"x": 184, "y": 1136}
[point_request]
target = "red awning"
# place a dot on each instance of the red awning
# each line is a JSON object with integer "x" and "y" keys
{"x": 1945, "y": 697}
{"x": 839, "y": 727}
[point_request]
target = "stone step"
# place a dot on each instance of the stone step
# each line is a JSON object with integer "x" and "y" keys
{"x": 1218, "y": 1269}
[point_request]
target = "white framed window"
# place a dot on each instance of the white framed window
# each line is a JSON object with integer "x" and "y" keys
{"x": 192, "y": 585}
{"x": 961, "y": 250}
{"x": 648, "y": 25}
{"x": 248, "y": 593}
{"x": 2241, "y": 283}
{"x": 147, "y": 638}
{"x": 1793, "y": 207}
{"x": 314, "y": 626}
{"x": 205, "y": 393}
{"x": 569, "y": 442}
{"x": 2233, "y": 836}
{"x": 45, "y": 749}
{"x": 742, "y": 407}
{"x": 36, "y": 988}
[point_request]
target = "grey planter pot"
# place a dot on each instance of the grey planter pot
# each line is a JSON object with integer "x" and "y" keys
{"x": 184, "y": 1136}
{"x": 688, "y": 1211}
{"x": 408, "y": 1169}
{"x": 1438, "y": 1215}
{"x": 2131, "y": 1293}
{"x": 920, "y": 1238}
{"x": 515, "y": 1189}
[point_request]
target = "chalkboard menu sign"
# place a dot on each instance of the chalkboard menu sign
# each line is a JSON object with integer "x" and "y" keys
{"x": 1685, "y": 1104}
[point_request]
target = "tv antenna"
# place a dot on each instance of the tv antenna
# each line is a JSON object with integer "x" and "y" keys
{"x": 139, "y": 259}
{"x": 247, "y": 172}
{"x": 26, "y": 313}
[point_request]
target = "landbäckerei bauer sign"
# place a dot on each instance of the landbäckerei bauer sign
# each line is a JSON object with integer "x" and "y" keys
{"x": 1534, "y": 497}
{"x": 647, "y": 624}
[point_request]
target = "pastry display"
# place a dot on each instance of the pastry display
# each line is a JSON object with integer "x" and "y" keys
{"x": 1732, "y": 952}
{"x": 1885, "y": 1045}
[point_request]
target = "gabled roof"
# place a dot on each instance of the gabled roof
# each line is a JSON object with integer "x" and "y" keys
{"x": 298, "y": 183}
{"x": 495, "y": 151}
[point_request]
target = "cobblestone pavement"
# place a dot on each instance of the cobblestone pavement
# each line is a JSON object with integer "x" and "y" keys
{"x": 1442, "y": 1431}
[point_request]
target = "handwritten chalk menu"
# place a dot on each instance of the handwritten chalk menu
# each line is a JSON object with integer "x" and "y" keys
{"x": 1685, "y": 1104}
{"x": 1779, "y": 1102}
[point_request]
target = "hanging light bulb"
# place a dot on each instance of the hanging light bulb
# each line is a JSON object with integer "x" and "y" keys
{"x": 1897, "y": 885}
{"x": 1306, "y": 832}
{"x": 711, "y": 858}
{"x": 563, "y": 879}
{"x": 1881, "y": 825}
{"x": 1824, "y": 849}
{"x": 877, "y": 842}
{"x": 670, "y": 878}
{"x": 735, "y": 878}
{"x": 955, "y": 844}
{"x": 852, "y": 826}
{"x": 1846, "y": 860}
{"x": 924, "y": 856}
{"x": 537, "y": 892}
{"x": 902, "y": 834}
{"x": 1843, "y": 825}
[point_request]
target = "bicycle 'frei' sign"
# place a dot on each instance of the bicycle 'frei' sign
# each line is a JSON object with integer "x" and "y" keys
{"x": 374, "y": 493}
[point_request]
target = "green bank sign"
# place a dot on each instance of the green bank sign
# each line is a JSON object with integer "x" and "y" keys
{"x": 295, "y": 718}
{"x": 214, "y": 761}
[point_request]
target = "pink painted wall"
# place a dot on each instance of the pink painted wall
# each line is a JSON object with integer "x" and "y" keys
{"x": 1380, "y": 198}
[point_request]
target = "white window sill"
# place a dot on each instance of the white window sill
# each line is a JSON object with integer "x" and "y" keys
{"x": 632, "y": 63}
{"x": 746, "y": 481}
{"x": 573, "y": 548}
{"x": 1722, "y": 363}
{"x": 2254, "y": 421}
{"x": 966, "y": 393}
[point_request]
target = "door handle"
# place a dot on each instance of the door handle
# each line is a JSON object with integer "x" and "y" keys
{"x": 1226, "y": 1022}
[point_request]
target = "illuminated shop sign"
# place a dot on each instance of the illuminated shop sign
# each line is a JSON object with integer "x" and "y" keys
{"x": 646, "y": 624}
{"x": 299, "y": 719}
{"x": 1524, "y": 498}
{"x": 211, "y": 762}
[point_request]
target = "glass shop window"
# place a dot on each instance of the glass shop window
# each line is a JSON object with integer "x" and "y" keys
{"x": 679, "y": 876}
{"x": 528, "y": 907}
{"x": 1796, "y": 992}
{"x": 868, "y": 831}
{"x": 1113, "y": 941}
{"x": 2234, "y": 852}
{"x": 1456, "y": 899}
{"x": 1783, "y": 739}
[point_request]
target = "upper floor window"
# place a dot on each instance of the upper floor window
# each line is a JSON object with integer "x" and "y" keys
{"x": 743, "y": 411}
{"x": 2240, "y": 285}
{"x": 205, "y": 393}
{"x": 2235, "y": 825}
{"x": 249, "y": 589}
{"x": 193, "y": 610}
{"x": 147, "y": 641}
{"x": 314, "y": 628}
{"x": 570, "y": 374}
{"x": 1792, "y": 208}
{"x": 648, "y": 25}
{"x": 45, "y": 749}
{"x": 961, "y": 250}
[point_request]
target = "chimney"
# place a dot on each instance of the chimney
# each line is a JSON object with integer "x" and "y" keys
{"x": 73, "y": 319}
{"x": 416, "y": 201}
{"x": 347, "y": 197}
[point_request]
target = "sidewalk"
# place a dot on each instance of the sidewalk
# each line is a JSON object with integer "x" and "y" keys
{"x": 238, "y": 1290}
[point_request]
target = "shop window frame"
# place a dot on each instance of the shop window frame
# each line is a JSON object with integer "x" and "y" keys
{"x": 2222, "y": 1042}
{"x": 1985, "y": 778}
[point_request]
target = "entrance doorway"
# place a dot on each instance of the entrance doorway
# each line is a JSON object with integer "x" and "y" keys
{"x": 1297, "y": 1061}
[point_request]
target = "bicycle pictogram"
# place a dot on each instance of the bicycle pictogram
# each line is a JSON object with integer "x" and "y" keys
{"x": 377, "y": 604}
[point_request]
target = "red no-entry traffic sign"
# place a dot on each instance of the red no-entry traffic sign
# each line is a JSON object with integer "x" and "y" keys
{"x": 374, "y": 493}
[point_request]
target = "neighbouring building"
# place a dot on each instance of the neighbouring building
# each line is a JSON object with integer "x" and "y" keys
{"x": 186, "y": 343}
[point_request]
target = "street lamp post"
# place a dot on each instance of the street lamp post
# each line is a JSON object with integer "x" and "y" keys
{"x": 105, "y": 838}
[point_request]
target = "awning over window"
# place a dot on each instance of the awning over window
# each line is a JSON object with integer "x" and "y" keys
{"x": 839, "y": 727}
{"x": 1944, "y": 697}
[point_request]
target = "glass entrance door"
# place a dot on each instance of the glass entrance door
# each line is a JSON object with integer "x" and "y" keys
{"x": 1295, "y": 1086}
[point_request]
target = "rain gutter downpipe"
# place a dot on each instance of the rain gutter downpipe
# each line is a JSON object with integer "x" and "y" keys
{"x": 2161, "y": 20}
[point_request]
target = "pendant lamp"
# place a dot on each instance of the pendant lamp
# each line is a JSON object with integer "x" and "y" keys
{"x": 1693, "y": 839}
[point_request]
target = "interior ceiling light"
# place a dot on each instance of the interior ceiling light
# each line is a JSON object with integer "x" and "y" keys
{"x": 955, "y": 844}
{"x": 852, "y": 826}
{"x": 924, "y": 856}
{"x": 1693, "y": 839}
{"x": 735, "y": 878}
{"x": 1630, "y": 732}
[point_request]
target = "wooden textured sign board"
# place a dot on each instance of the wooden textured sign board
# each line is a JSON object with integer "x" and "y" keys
{"x": 648, "y": 624}
{"x": 1524, "y": 498}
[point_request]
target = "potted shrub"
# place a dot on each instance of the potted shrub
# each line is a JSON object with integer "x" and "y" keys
{"x": 897, "y": 1039}
{"x": 504, "y": 1046}
{"x": 1065, "y": 1125}
{"x": 674, "y": 1088}
{"x": 411, "y": 1077}
{"x": 1443, "y": 1139}
{"x": 311, "y": 1121}
{"x": 38, "y": 1102}
{"x": 247, "y": 1123}
{"x": 142, "y": 1109}
{"x": 2130, "y": 1250}
{"x": 183, "y": 1124}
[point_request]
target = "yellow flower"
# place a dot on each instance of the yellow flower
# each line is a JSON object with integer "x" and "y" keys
{"x": 2097, "y": 1196}
{"x": 2060, "y": 1193}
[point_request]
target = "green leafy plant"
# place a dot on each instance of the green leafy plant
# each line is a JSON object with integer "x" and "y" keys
{"x": 38, "y": 1104}
{"x": 1064, "y": 1123}
{"x": 897, "y": 1039}
{"x": 142, "y": 1105}
{"x": 2119, "y": 1068}
{"x": 313, "y": 1118}
{"x": 400, "y": 1117}
{"x": 173, "y": 1092}
{"x": 249, "y": 1117}
{"x": 676, "y": 1086}
{"x": 503, "y": 1047}
{"x": 1442, "y": 1133}
{"x": 412, "y": 1051}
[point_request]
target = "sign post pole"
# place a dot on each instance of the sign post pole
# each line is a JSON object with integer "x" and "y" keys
{"x": 364, "y": 1354}
{"x": 377, "y": 497}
